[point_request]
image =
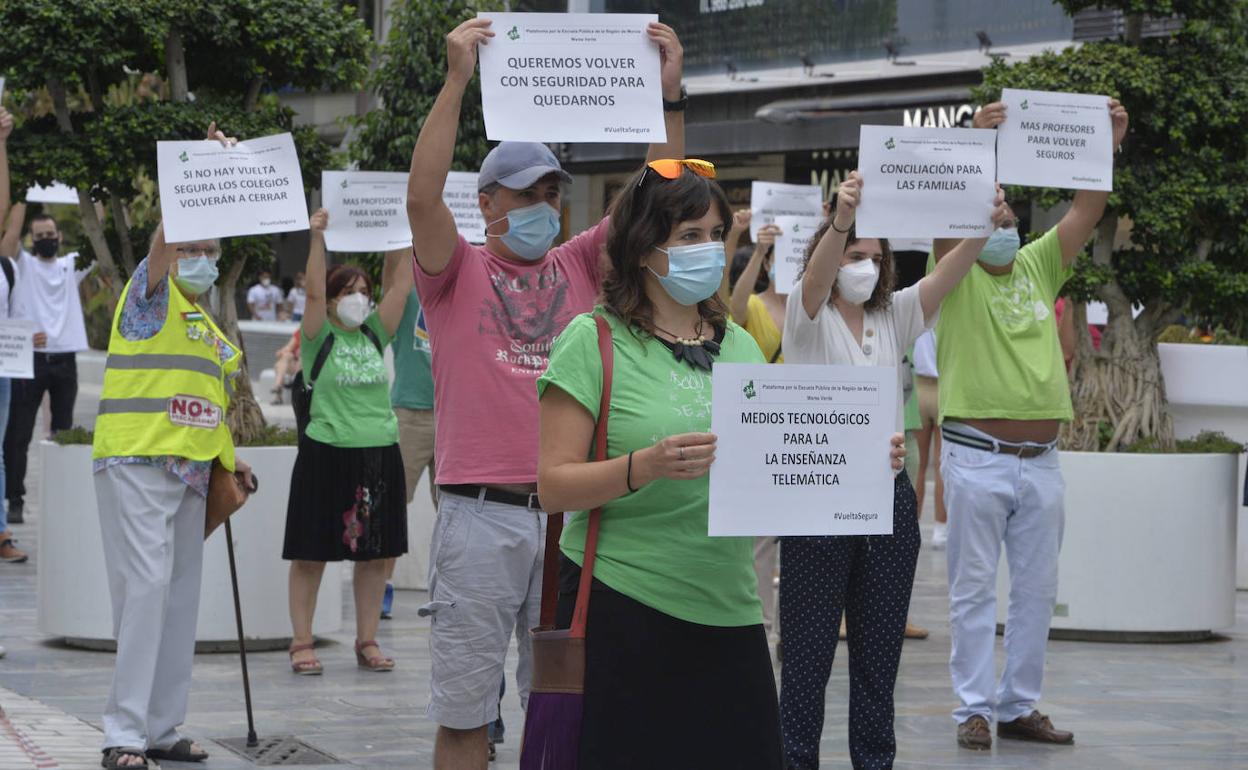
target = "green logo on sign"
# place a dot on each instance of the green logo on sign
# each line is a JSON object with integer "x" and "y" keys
{"x": 749, "y": 390}
{"x": 890, "y": 144}
{"x": 513, "y": 33}
{"x": 796, "y": 227}
{"x": 344, "y": 184}
{"x": 183, "y": 157}
{"x": 1024, "y": 104}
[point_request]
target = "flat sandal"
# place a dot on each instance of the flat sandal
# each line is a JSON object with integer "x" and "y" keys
{"x": 305, "y": 667}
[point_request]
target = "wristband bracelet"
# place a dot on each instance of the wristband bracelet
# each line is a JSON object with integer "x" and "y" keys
{"x": 832, "y": 223}
{"x": 628, "y": 479}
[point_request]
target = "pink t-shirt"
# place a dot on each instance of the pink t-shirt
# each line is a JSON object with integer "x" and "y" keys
{"x": 491, "y": 326}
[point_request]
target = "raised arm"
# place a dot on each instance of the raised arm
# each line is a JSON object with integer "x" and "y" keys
{"x": 433, "y": 225}
{"x": 396, "y": 285}
{"x": 740, "y": 223}
{"x": 671, "y": 70}
{"x": 749, "y": 276}
{"x": 10, "y": 244}
{"x": 314, "y": 276}
{"x": 6, "y": 196}
{"x": 934, "y": 287}
{"x": 825, "y": 261}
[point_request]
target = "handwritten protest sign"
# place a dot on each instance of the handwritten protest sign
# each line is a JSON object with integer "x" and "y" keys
{"x": 460, "y": 196}
{"x": 926, "y": 182}
{"x": 802, "y": 450}
{"x": 769, "y": 200}
{"x": 571, "y": 77}
{"x": 1055, "y": 140}
{"x": 791, "y": 246}
{"x": 211, "y": 191}
{"x": 17, "y": 349}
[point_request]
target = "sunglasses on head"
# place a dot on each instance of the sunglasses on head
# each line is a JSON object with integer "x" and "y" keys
{"x": 671, "y": 168}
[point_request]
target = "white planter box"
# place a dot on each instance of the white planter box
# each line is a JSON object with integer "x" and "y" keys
{"x": 1149, "y": 545}
{"x": 73, "y": 586}
{"x": 1207, "y": 389}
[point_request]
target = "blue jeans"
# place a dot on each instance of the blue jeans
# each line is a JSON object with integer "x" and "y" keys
{"x": 6, "y": 389}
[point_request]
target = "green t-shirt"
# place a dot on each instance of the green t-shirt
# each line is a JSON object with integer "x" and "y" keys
{"x": 351, "y": 405}
{"x": 996, "y": 341}
{"x": 653, "y": 544}
{"x": 413, "y": 359}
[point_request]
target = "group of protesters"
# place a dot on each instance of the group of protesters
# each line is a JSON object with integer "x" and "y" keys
{"x": 678, "y": 667}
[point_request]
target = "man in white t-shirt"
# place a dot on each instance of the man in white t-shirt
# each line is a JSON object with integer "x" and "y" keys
{"x": 45, "y": 294}
{"x": 264, "y": 298}
{"x": 297, "y": 298}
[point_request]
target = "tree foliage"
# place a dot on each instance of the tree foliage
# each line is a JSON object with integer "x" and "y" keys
{"x": 1179, "y": 183}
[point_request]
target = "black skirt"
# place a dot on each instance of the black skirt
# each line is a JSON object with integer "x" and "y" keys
{"x": 346, "y": 503}
{"x": 665, "y": 693}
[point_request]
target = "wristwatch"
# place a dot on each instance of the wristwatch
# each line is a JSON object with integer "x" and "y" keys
{"x": 680, "y": 104}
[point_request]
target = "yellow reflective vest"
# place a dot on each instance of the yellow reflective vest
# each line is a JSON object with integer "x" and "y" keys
{"x": 167, "y": 395}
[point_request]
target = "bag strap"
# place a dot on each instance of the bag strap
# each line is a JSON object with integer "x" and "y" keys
{"x": 6, "y": 263}
{"x": 372, "y": 337}
{"x": 554, "y": 522}
{"x": 776, "y": 356}
{"x": 322, "y": 356}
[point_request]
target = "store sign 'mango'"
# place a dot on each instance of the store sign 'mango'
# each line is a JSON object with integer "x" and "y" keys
{"x": 939, "y": 117}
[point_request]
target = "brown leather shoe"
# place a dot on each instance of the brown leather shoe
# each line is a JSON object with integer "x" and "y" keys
{"x": 1034, "y": 727}
{"x": 975, "y": 734}
{"x": 9, "y": 552}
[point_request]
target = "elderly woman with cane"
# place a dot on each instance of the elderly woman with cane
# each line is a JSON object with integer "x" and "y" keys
{"x": 160, "y": 442}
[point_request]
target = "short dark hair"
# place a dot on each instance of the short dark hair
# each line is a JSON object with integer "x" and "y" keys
{"x": 642, "y": 217}
{"x": 882, "y": 297}
{"x": 342, "y": 276}
{"x": 43, "y": 216}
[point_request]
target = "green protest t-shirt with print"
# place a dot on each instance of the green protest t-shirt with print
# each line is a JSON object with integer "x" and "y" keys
{"x": 997, "y": 347}
{"x": 351, "y": 401}
{"x": 413, "y": 359}
{"x": 653, "y": 544}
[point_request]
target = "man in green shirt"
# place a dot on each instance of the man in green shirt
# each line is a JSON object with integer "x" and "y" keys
{"x": 1003, "y": 397}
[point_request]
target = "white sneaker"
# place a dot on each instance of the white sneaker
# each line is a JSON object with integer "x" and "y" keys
{"x": 940, "y": 536}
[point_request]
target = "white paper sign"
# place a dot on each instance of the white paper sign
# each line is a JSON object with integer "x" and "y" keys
{"x": 571, "y": 77}
{"x": 211, "y": 191}
{"x": 55, "y": 193}
{"x": 769, "y": 200}
{"x": 791, "y": 245}
{"x": 367, "y": 210}
{"x": 460, "y": 196}
{"x": 926, "y": 182}
{"x": 803, "y": 449}
{"x": 17, "y": 349}
{"x": 1, "y": 90}
{"x": 1056, "y": 140}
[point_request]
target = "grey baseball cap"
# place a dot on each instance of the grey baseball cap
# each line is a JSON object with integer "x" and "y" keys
{"x": 516, "y": 165}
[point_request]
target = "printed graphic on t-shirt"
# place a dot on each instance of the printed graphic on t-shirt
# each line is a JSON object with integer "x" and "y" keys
{"x": 420, "y": 334}
{"x": 523, "y": 316}
{"x": 357, "y": 363}
{"x": 690, "y": 395}
{"x": 1016, "y": 304}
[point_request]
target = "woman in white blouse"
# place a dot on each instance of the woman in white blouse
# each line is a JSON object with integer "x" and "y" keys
{"x": 844, "y": 311}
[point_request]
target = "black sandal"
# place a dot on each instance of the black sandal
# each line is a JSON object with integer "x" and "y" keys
{"x": 179, "y": 752}
{"x": 113, "y": 755}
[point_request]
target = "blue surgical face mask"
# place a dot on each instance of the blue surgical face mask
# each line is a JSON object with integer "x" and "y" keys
{"x": 196, "y": 275}
{"x": 530, "y": 230}
{"x": 693, "y": 272}
{"x": 1001, "y": 247}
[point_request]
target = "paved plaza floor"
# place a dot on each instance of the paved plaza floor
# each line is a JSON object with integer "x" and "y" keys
{"x": 1133, "y": 707}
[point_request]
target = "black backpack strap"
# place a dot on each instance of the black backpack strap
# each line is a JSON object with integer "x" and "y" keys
{"x": 776, "y": 356}
{"x": 322, "y": 356}
{"x": 372, "y": 336}
{"x": 6, "y": 264}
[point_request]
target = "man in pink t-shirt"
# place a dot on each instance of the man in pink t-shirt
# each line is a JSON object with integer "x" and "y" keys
{"x": 493, "y": 312}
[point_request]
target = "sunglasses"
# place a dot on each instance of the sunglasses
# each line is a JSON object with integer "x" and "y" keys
{"x": 672, "y": 168}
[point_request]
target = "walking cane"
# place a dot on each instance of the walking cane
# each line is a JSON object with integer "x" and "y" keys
{"x": 252, "y": 740}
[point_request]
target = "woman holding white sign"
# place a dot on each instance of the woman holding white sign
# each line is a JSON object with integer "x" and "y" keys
{"x": 675, "y": 646}
{"x": 347, "y": 489}
{"x": 844, "y": 311}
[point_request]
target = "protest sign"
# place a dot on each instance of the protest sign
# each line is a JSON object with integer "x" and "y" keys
{"x": 769, "y": 200}
{"x": 803, "y": 449}
{"x": 211, "y": 191}
{"x": 926, "y": 182}
{"x": 571, "y": 77}
{"x": 791, "y": 245}
{"x": 1056, "y": 140}
{"x": 17, "y": 349}
{"x": 460, "y": 196}
{"x": 367, "y": 210}
{"x": 53, "y": 193}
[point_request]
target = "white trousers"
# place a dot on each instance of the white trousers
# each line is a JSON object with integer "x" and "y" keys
{"x": 153, "y": 528}
{"x": 994, "y": 499}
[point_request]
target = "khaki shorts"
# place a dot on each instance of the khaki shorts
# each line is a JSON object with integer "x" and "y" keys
{"x": 416, "y": 430}
{"x": 485, "y": 582}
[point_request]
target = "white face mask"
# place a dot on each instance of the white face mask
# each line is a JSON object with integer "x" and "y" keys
{"x": 856, "y": 281}
{"x": 265, "y": 282}
{"x": 352, "y": 310}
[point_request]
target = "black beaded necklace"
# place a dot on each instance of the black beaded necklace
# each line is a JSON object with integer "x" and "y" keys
{"x": 699, "y": 352}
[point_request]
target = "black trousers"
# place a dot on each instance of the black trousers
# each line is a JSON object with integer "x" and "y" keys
{"x": 57, "y": 375}
{"x": 869, "y": 578}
